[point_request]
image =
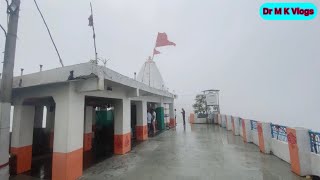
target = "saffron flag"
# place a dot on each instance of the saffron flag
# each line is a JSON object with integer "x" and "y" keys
{"x": 155, "y": 52}
{"x": 162, "y": 40}
{"x": 90, "y": 20}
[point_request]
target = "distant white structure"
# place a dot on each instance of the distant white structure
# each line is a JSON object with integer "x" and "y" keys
{"x": 149, "y": 74}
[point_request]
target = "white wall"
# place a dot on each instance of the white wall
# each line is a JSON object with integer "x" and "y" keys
{"x": 315, "y": 164}
{"x": 255, "y": 138}
{"x": 248, "y": 130}
{"x": 280, "y": 149}
{"x": 236, "y": 126}
{"x": 229, "y": 128}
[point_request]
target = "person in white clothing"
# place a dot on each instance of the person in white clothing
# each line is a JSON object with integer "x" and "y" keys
{"x": 154, "y": 114}
{"x": 149, "y": 120}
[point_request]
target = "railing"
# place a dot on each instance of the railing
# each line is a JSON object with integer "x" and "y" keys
{"x": 315, "y": 142}
{"x": 253, "y": 125}
{"x": 279, "y": 132}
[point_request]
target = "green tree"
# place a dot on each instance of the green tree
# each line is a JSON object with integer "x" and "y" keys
{"x": 200, "y": 105}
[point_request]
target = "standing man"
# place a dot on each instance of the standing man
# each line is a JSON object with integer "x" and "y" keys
{"x": 149, "y": 119}
{"x": 183, "y": 116}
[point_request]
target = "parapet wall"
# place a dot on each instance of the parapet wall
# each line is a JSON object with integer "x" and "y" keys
{"x": 299, "y": 147}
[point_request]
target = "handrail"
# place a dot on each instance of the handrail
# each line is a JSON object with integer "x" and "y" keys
{"x": 315, "y": 142}
{"x": 279, "y": 132}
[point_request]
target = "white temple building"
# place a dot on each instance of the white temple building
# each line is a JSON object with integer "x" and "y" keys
{"x": 149, "y": 74}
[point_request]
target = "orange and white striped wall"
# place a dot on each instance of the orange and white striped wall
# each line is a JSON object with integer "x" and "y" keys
{"x": 141, "y": 127}
{"x": 264, "y": 136}
{"x": 299, "y": 149}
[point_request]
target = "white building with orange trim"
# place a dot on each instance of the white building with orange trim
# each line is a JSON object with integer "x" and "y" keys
{"x": 71, "y": 95}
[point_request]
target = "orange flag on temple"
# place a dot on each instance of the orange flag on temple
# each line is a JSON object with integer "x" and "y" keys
{"x": 155, "y": 51}
{"x": 162, "y": 40}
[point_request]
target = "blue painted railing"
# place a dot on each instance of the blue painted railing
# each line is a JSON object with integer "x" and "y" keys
{"x": 253, "y": 125}
{"x": 279, "y": 132}
{"x": 315, "y": 142}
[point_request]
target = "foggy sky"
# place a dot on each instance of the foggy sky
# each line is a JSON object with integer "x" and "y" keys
{"x": 266, "y": 70}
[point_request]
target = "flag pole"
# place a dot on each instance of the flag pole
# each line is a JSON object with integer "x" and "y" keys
{"x": 152, "y": 59}
{"x": 94, "y": 37}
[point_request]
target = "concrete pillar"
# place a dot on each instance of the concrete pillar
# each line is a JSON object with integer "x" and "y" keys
{"x": 50, "y": 124}
{"x": 142, "y": 126}
{"x": 67, "y": 157}
{"x": 171, "y": 115}
{"x": 4, "y": 139}
{"x": 191, "y": 118}
{"x": 122, "y": 128}
{"x": 38, "y": 117}
{"x": 87, "y": 137}
{"x": 299, "y": 149}
{"x": 264, "y": 135}
{"x": 22, "y": 136}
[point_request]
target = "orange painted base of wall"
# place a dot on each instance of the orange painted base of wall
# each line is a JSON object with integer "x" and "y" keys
{"x": 260, "y": 135}
{"x": 142, "y": 133}
{"x": 122, "y": 143}
{"x": 172, "y": 122}
{"x": 191, "y": 118}
{"x": 24, "y": 158}
{"x": 67, "y": 166}
{"x": 293, "y": 150}
{"x": 87, "y": 142}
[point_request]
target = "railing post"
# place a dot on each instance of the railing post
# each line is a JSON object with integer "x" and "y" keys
{"x": 299, "y": 149}
{"x": 247, "y": 135}
{"x": 264, "y": 133}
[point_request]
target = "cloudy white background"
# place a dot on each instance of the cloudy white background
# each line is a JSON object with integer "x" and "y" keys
{"x": 266, "y": 70}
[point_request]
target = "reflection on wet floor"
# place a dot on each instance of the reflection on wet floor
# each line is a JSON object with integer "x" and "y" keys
{"x": 41, "y": 167}
{"x": 193, "y": 152}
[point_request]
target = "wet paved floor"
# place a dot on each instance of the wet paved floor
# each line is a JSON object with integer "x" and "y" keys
{"x": 197, "y": 152}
